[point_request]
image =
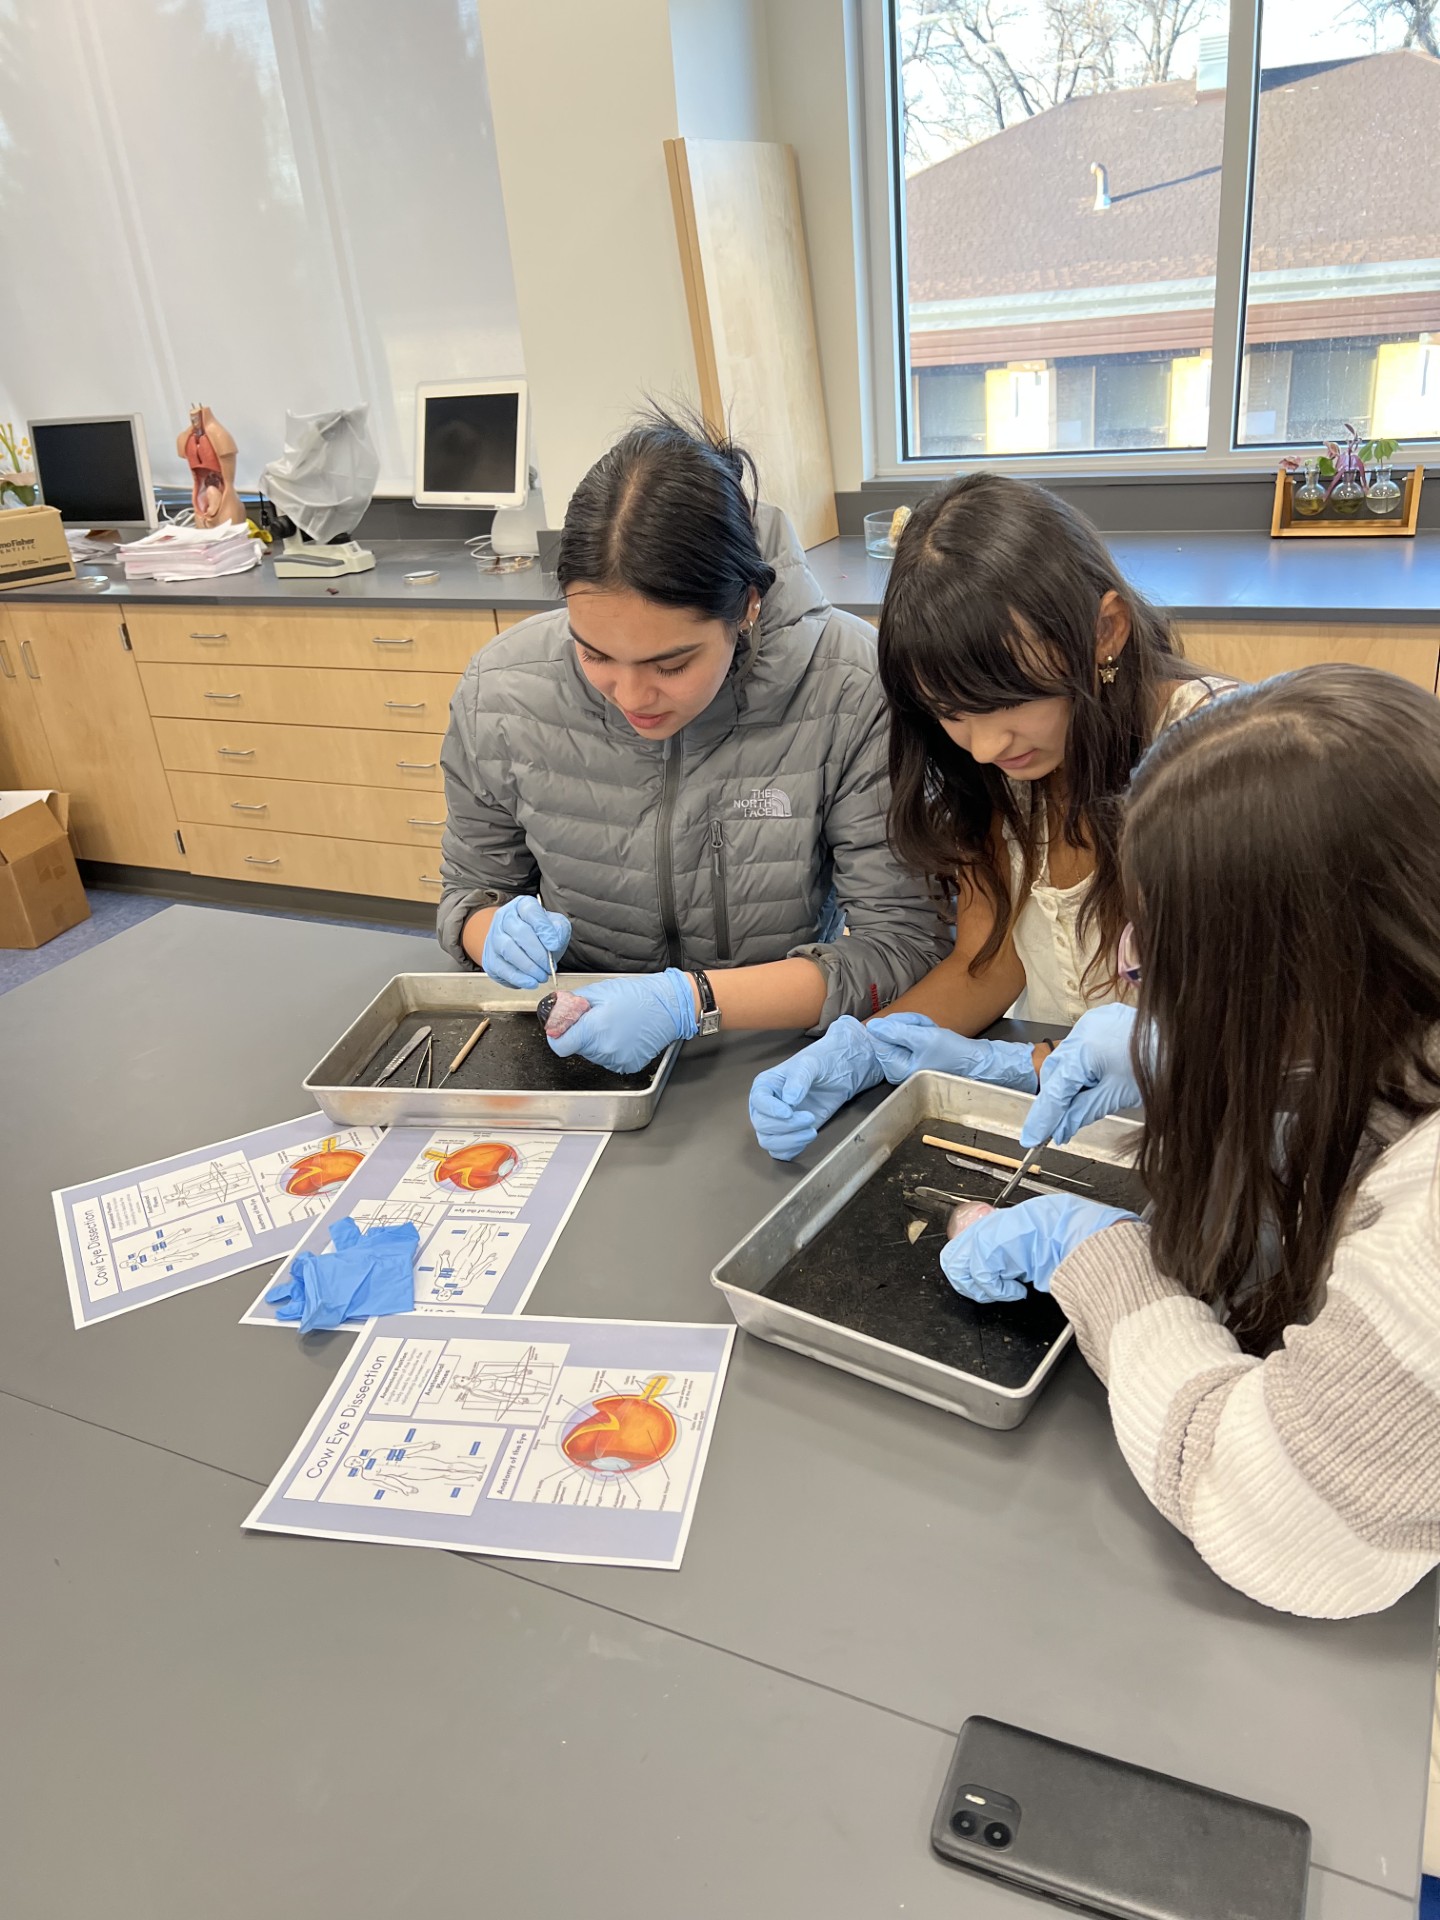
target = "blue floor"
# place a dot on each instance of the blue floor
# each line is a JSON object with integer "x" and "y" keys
{"x": 111, "y": 912}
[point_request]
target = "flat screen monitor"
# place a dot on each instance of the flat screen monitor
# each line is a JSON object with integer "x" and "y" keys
{"x": 471, "y": 445}
{"x": 95, "y": 471}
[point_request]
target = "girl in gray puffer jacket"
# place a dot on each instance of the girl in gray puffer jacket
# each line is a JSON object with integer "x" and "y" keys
{"x": 681, "y": 774}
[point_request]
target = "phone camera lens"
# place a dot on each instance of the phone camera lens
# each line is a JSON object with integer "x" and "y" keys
{"x": 964, "y": 1823}
{"x": 997, "y": 1834}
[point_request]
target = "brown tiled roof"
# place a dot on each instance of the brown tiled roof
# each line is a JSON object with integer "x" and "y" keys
{"x": 1347, "y": 170}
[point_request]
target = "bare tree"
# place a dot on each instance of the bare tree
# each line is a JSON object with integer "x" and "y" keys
{"x": 1155, "y": 28}
{"x": 975, "y": 67}
{"x": 1419, "y": 18}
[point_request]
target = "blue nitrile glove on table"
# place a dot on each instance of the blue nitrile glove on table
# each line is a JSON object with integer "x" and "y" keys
{"x": 790, "y": 1103}
{"x": 1087, "y": 1076}
{"x": 995, "y": 1258}
{"x": 631, "y": 1019}
{"x": 366, "y": 1273}
{"x": 907, "y": 1043}
{"x": 521, "y": 940}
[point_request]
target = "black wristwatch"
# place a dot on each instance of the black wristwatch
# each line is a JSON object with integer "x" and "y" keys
{"x": 709, "y": 1012}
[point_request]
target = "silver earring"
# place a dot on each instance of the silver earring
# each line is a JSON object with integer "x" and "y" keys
{"x": 1108, "y": 670}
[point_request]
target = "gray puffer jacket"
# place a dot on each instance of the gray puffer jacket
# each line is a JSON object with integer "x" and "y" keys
{"x": 756, "y": 833}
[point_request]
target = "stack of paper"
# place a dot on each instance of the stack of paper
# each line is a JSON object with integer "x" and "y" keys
{"x": 191, "y": 553}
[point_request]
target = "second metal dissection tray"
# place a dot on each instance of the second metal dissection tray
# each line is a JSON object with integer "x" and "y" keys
{"x": 510, "y": 1078}
{"x": 832, "y": 1271}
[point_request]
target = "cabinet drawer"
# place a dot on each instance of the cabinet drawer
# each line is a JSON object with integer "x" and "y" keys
{"x": 313, "y": 860}
{"x": 309, "y": 806}
{"x": 301, "y": 696}
{"x": 1253, "y": 651}
{"x": 391, "y": 638}
{"x": 253, "y": 751}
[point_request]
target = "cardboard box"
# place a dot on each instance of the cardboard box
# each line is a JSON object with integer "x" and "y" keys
{"x": 33, "y": 547}
{"x": 40, "y": 890}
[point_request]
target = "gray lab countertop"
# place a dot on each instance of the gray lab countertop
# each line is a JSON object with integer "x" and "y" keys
{"x": 1205, "y": 576}
{"x": 202, "y": 1721}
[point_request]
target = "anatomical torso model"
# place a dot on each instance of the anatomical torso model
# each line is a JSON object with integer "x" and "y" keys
{"x": 210, "y": 453}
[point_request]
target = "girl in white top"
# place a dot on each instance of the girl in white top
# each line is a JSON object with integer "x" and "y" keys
{"x": 1025, "y": 679}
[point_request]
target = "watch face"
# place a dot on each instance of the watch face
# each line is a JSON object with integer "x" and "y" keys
{"x": 710, "y": 1023}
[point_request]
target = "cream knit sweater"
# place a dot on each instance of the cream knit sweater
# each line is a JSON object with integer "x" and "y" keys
{"x": 1310, "y": 1479}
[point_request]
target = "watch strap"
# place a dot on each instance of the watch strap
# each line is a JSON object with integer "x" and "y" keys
{"x": 709, "y": 1011}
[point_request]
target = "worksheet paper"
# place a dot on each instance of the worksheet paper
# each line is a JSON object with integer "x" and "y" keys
{"x": 489, "y": 1207}
{"x": 531, "y": 1438}
{"x": 142, "y": 1235}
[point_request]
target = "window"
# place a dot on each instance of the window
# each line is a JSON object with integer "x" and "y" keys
{"x": 1071, "y": 258}
{"x": 252, "y": 205}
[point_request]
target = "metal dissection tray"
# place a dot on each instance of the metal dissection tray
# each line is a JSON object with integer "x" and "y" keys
{"x": 987, "y": 1363}
{"x": 511, "y": 1078}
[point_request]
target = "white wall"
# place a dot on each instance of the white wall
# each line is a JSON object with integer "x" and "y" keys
{"x": 584, "y": 97}
{"x": 722, "y": 69}
{"x": 259, "y": 206}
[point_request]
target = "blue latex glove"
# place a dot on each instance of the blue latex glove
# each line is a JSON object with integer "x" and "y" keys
{"x": 632, "y": 1019}
{"x": 907, "y": 1043}
{"x": 364, "y": 1274}
{"x": 790, "y": 1103}
{"x": 1087, "y": 1076}
{"x": 521, "y": 939}
{"x": 993, "y": 1259}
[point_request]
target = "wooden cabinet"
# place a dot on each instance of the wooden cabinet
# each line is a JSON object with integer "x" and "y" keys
{"x": 359, "y": 758}
{"x": 301, "y": 696}
{"x": 308, "y": 806}
{"x": 1254, "y": 651}
{"x": 315, "y": 860}
{"x": 394, "y": 639}
{"x": 101, "y": 745}
{"x": 25, "y": 759}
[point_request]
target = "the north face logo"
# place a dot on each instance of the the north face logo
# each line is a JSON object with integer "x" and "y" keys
{"x": 764, "y": 803}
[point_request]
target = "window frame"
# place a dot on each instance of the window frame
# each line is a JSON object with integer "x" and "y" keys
{"x": 884, "y": 218}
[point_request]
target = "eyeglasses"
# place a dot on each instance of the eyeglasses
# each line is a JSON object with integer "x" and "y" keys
{"x": 1127, "y": 958}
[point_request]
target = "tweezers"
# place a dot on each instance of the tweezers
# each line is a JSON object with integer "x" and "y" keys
{"x": 398, "y": 1061}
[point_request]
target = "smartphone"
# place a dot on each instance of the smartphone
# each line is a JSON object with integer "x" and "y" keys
{"x": 1099, "y": 1836}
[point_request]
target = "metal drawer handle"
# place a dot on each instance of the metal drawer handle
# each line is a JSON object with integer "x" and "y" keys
{"x": 212, "y": 639}
{"x": 247, "y": 806}
{"x": 402, "y": 706}
{"x": 5, "y": 666}
{"x": 429, "y": 880}
{"x": 222, "y": 696}
{"x": 417, "y": 766}
{"x": 379, "y": 640}
{"x": 251, "y": 861}
{"x": 236, "y": 753}
{"x": 29, "y": 659}
{"x": 411, "y": 822}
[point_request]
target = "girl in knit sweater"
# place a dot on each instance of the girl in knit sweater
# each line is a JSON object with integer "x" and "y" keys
{"x": 1270, "y": 1334}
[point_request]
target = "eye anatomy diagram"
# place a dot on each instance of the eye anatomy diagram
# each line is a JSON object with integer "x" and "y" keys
{"x": 488, "y": 1210}
{"x": 529, "y": 1437}
{"x": 621, "y": 1432}
{"x": 485, "y": 1163}
{"x": 331, "y": 1165}
{"x": 143, "y": 1235}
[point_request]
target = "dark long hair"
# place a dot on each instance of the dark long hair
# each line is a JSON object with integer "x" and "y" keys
{"x": 1279, "y": 855}
{"x": 994, "y": 599}
{"x": 669, "y": 513}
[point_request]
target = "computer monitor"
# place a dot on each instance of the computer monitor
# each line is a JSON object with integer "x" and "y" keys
{"x": 95, "y": 471}
{"x": 471, "y": 444}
